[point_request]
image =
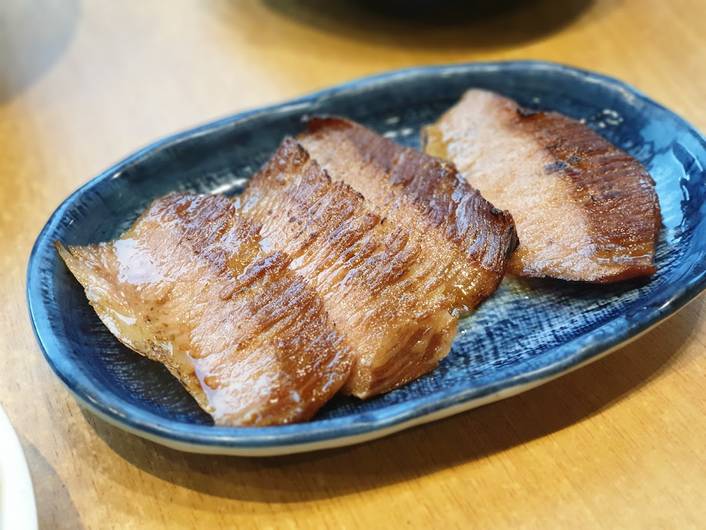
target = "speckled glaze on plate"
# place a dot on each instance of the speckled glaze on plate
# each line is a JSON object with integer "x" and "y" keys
{"x": 526, "y": 334}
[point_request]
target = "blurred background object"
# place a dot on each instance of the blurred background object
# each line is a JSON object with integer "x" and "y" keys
{"x": 421, "y": 23}
{"x": 33, "y": 35}
{"x": 17, "y": 506}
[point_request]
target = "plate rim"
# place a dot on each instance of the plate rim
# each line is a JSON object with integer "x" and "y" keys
{"x": 340, "y": 431}
{"x": 367, "y": 436}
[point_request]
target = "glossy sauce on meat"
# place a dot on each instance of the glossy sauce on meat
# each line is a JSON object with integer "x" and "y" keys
{"x": 189, "y": 285}
{"x": 584, "y": 209}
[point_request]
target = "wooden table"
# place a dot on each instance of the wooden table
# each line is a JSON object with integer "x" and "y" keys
{"x": 83, "y": 83}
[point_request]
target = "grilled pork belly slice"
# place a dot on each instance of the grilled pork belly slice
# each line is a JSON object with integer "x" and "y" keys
{"x": 584, "y": 209}
{"x": 392, "y": 294}
{"x": 452, "y": 223}
{"x": 190, "y": 286}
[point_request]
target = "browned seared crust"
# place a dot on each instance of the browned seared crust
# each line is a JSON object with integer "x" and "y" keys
{"x": 600, "y": 217}
{"x": 389, "y": 175}
{"x": 615, "y": 190}
{"x": 390, "y": 297}
{"x": 190, "y": 286}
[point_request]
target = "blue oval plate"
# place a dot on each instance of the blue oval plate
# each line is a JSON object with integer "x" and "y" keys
{"x": 525, "y": 335}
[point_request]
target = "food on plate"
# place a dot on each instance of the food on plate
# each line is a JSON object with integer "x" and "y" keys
{"x": 267, "y": 305}
{"x": 584, "y": 209}
{"x": 347, "y": 262}
{"x": 390, "y": 293}
{"x": 451, "y": 222}
{"x": 191, "y": 286}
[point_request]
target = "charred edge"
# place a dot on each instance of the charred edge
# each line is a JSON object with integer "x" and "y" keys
{"x": 316, "y": 123}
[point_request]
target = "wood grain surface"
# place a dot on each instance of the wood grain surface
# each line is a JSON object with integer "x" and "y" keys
{"x": 619, "y": 444}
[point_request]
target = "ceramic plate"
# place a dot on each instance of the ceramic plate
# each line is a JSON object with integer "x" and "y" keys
{"x": 17, "y": 508}
{"x": 526, "y": 334}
